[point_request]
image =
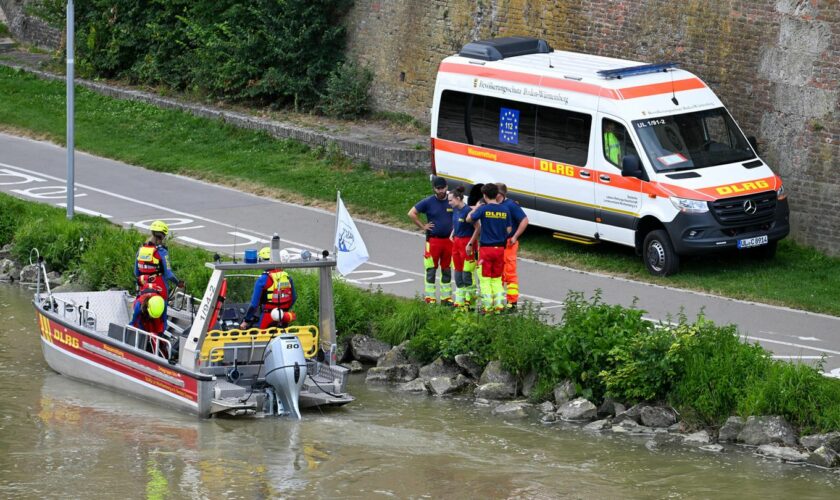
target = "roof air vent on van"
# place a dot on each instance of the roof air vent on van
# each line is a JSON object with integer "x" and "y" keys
{"x": 496, "y": 49}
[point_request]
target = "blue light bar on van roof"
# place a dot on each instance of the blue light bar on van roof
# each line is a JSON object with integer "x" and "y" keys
{"x": 644, "y": 69}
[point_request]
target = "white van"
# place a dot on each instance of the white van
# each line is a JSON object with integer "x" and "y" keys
{"x": 602, "y": 149}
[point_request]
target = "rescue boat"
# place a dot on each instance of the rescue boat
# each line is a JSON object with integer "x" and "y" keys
{"x": 203, "y": 363}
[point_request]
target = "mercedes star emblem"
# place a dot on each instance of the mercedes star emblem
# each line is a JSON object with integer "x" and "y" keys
{"x": 750, "y": 207}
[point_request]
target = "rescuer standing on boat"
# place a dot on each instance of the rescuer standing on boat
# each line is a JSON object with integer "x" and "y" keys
{"x": 153, "y": 259}
{"x": 438, "y": 252}
{"x": 274, "y": 294}
{"x": 150, "y": 310}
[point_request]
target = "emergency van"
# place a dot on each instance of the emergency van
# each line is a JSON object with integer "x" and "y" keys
{"x": 602, "y": 149}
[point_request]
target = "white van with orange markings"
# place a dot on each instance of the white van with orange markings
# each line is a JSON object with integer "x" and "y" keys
{"x": 602, "y": 149}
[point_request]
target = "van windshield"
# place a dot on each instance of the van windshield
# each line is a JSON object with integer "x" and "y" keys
{"x": 693, "y": 140}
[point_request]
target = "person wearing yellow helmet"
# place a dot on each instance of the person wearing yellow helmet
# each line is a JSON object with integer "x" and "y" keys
{"x": 153, "y": 258}
{"x": 150, "y": 312}
{"x": 264, "y": 254}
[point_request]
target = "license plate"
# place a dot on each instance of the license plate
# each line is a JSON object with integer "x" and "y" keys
{"x": 752, "y": 242}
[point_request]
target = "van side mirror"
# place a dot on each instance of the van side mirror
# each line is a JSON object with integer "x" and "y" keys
{"x": 631, "y": 166}
{"x": 753, "y": 142}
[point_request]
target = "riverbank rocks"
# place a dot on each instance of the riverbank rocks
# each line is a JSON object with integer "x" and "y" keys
{"x": 730, "y": 430}
{"x": 712, "y": 448}
{"x": 29, "y": 273}
{"x": 6, "y": 266}
{"x": 699, "y": 437}
{"x": 657, "y": 416}
{"x": 6, "y": 251}
{"x": 417, "y": 385}
{"x": 396, "y": 356}
{"x": 356, "y": 367}
{"x": 495, "y": 390}
{"x": 528, "y": 384}
{"x": 496, "y": 383}
{"x": 441, "y": 386}
{"x": 70, "y": 287}
{"x": 814, "y": 441}
{"x": 577, "y": 410}
{"x": 633, "y": 413}
{"x": 440, "y": 368}
{"x": 469, "y": 365}
{"x": 547, "y": 407}
{"x": 564, "y": 391}
{"x": 610, "y": 408}
{"x": 597, "y": 426}
{"x": 513, "y": 409}
{"x": 367, "y": 349}
{"x": 763, "y": 430}
{"x": 782, "y": 453}
{"x": 824, "y": 457}
{"x": 392, "y": 374}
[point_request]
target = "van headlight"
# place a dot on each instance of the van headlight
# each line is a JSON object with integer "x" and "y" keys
{"x": 780, "y": 193}
{"x": 689, "y": 206}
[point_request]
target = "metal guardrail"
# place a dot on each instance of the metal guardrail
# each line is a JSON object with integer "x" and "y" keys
{"x": 147, "y": 338}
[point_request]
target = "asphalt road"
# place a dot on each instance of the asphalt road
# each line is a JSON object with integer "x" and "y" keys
{"x": 222, "y": 219}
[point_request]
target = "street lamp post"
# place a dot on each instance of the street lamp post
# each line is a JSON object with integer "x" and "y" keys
{"x": 70, "y": 113}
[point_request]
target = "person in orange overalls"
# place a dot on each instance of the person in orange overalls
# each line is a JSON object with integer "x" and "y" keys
{"x": 519, "y": 221}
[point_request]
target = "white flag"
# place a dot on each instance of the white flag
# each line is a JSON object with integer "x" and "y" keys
{"x": 351, "y": 250}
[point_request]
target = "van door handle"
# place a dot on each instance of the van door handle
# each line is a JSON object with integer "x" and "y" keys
{"x": 584, "y": 174}
{"x": 604, "y": 178}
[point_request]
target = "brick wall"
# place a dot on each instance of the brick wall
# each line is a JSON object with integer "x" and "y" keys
{"x": 775, "y": 63}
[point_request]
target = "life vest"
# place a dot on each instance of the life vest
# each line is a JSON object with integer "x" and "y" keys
{"x": 148, "y": 260}
{"x": 279, "y": 293}
{"x": 153, "y": 282}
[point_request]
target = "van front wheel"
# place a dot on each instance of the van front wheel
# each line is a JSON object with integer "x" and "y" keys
{"x": 659, "y": 255}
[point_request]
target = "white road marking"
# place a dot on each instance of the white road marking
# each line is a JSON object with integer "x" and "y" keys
{"x": 809, "y": 339}
{"x": 26, "y": 179}
{"x": 791, "y": 344}
{"x": 77, "y": 208}
{"x": 248, "y": 240}
{"x": 48, "y": 192}
{"x": 779, "y": 356}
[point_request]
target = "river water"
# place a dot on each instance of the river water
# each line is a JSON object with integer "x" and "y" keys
{"x": 61, "y": 438}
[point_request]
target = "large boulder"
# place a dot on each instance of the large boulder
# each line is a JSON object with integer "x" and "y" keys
{"x": 440, "y": 368}
{"x": 767, "y": 430}
{"x": 417, "y": 385}
{"x": 528, "y": 384}
{"x": 658, "y": 416}
{"x": 782, "y": 453}
{"x": 610, "y": 408}
{"x": 547, "y": 407}
{"x": 633, "y": 413}
{"x": 6, "y": 251}
{"x": 824, "y": 457}
{"x": 699, "y": 437}
{"x": 392, "y": 374}
{"x": 468, "y": 364}
{"x": 447, "y": 385}
{"x": 577, "y": 410}
{"x": 814, "y": 441}
{"x": 597, "y": 426}
{"x": 29, "y": 274}
{"x": 394, "y": 357}
{"x": 367, "y": 349}
{"x": 494, "y": 373}
{"x": 495, "y": 390}
{"x": 564, "y": 391}
{"x": 6, "y": 266}
{"x": 515, "y": 409}
{"x": 730, "y": 430}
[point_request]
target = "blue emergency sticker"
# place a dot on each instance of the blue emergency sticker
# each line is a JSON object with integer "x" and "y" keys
{"x": 509, "y": 126}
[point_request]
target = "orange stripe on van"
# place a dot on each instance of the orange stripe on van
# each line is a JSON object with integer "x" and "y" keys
{"x": 571, "y": 85}
{"x": 495, "y": 155}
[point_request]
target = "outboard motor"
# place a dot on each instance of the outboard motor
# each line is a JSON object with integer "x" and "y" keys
{"x": 285, "y": 369}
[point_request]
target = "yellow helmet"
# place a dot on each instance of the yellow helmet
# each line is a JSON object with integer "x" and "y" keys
{"x": 159, "y": 226}
{"x": 155, "y": 306}
{"x": 265, "y": 253}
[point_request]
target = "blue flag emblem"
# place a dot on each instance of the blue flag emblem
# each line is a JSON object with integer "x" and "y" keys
{"x": 509, "y": 126}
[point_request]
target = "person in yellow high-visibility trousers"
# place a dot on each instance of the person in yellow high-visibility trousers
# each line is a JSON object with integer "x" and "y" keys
{"x": 493, "y": 227}
{"x": 519, "y": 221}
{"x": 462, "y": 261}
{"x": 438, "y": 251}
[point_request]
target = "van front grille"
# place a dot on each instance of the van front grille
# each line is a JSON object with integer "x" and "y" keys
{"x": 751, "y": 209}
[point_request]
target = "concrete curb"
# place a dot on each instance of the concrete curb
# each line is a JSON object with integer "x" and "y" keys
{"x": 380, "y": 157}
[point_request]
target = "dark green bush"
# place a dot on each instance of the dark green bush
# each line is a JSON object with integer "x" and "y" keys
{"x": 108, "y": 262}
{"x": 348, "y": 92}
{"x": 262, "y": 50}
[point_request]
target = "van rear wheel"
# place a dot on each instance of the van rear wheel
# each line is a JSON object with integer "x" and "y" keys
{"x": 660, "y": 257}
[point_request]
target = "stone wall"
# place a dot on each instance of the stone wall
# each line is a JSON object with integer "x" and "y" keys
{"x": 29, "y": 29}
{"x": 775, "y": 63}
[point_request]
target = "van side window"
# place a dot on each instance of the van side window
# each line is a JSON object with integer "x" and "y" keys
{"x": 563, "y": 136}
{"x": 616, "y": 142}
{"x": 452, "y": 116}
{"x": 502, "y": 124}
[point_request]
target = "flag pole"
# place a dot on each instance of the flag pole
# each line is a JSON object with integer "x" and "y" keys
{"x": 335, "y": 238}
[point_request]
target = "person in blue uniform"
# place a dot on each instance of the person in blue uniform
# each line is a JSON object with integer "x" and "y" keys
{"x": 493, "y": 227}
{"x": 438, "y": 254}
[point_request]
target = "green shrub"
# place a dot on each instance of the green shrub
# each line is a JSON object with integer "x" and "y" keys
{"x": 109, "y": 260}
{"x": 348, "y": 92}
{"x": 60, "y": 242}
{"x": 798, "y": 392}
{"x": 717, "y": 369}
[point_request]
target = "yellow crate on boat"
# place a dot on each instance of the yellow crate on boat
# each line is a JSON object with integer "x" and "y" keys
{"x": 213, "y": 347}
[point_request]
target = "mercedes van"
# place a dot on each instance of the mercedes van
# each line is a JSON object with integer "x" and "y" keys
{"x": 602, "y": 149}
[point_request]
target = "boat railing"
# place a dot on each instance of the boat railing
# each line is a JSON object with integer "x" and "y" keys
{"x": 141, "y": 338}
{"x": 78, "y": 314}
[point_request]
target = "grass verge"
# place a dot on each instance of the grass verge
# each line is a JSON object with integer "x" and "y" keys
{"x": 704, "y": 370}
{"x": 173, "y": 141}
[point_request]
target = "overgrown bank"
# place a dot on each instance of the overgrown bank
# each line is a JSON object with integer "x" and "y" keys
{"x": 701, "y": 369}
